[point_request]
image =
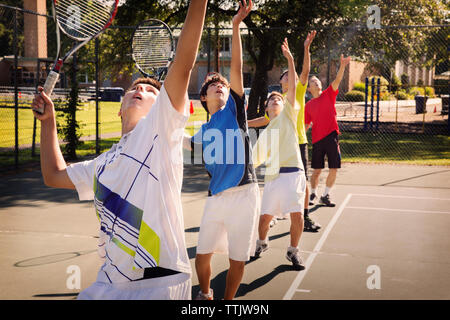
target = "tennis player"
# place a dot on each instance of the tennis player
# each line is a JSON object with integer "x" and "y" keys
{"x": 321, "y": 113}
{"x": 136, "y": 185}
{"x": 284, "y": 181}
{"x": 300, "y": 91}
{"x": 230, "y": 217}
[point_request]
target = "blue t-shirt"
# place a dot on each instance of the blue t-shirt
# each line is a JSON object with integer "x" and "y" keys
{"x": 226, "y": 146}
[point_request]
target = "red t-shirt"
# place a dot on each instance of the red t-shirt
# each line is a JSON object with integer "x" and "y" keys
{"x": 321, "y": 111}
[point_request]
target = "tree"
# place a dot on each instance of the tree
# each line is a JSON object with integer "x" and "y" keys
{"x": 7, "y": 27}
{"x": 399, "y": 38}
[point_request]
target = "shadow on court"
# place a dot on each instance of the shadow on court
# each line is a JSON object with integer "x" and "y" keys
{"x": 396, "y": 218}
{"x": 219, "y": 281}
{"x": 28, "y": 187}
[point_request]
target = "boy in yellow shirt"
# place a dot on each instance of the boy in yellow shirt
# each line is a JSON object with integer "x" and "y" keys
{"x": 285, "y": 182}
{"x": 310, "y": 225}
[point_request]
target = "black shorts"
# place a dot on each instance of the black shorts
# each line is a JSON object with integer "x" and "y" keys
{"x": 328, "y": 146}
{"x": 304, "y": 154}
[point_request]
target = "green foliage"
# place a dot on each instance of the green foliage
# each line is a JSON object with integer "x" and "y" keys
{"x": 384, "y": 84}
{"x": 70, "y": 129}
{"x": 7, "y": 28}
{"x": 401, "y": 95}
{"x": 429, "y": 92}
{"x": 416, "y": 91}
{"x": 354, "y": 96}
{"x": 395, "y": 83}
{"x": 405, "y": 80}
{"x": 359, "y": 86}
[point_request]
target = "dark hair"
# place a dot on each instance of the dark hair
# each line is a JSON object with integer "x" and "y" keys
{"x": 210, "y": 79}
{"x": 153, "y": 82}
{"x": 273, "y": 93}
{"x": 283, "y": 73}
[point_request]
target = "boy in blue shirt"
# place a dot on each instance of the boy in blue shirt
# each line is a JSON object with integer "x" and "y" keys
{"x": 230, "y": 217}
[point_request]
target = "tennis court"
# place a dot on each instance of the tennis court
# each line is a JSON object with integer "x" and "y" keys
{"x": 388, "y": 231}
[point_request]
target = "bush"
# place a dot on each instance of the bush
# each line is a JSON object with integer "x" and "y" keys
{"x": 429, "y": 91}
{"x": 386, "y": 96}
{"x": 354, "y": 96}
{"x": 384, "y": 84}
{"x": 405, "y": 80}
{"x": 401, "y": 95}
{"x": 395, "y": 83}
{"x": 417, "y": 91}
{"x": 359, "y": 86}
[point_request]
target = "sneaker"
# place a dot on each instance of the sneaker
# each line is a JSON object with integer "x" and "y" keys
{"x": 273, "y": 222}
{"x": 325, "y": 200}
{"x": 260, "y": 248}
{"x": 310, "y": 225}
{"x": 312, "y": 199}
{"x": 294, "y": 257}
{"x": 203, "y": 296}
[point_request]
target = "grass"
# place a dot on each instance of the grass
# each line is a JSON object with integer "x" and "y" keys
{"x": 109, "y": 122}
{"x": 395, "y": 148}
{"x": 355, "y": 147}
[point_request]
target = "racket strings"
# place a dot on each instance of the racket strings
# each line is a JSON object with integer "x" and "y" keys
{"x": 83, "y": 19}
{"x": 152, "y": 47}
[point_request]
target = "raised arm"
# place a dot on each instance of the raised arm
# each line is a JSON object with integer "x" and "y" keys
{"x": 258, "y": 122}
{"x": 307, "y": 57}
{"x": 236, "y": 81}
{"x": 344, "y": 62}
{"x": 53, "y": 165}
{"x": 177, "y": 79}
{"x": 291, "y": 74}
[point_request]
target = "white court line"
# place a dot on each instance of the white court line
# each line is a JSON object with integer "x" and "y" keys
{"x": 44, "y": 234}
{"x": 303, "y": 290}
{"x": 396, "y": 196}
{"x": 400, "y": 210}
{"x": 298, "y": 280}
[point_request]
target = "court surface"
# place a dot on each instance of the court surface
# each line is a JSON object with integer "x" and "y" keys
{"x": 387, "y": 238}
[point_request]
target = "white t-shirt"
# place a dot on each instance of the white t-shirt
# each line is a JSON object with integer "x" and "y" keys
{"x": 136, "y": 187}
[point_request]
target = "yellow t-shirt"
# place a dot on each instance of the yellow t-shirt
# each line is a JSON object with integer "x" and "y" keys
{"x": 300, "y": 92}
{"x": 277, "y": 145}
{"x": 300, "y": 99}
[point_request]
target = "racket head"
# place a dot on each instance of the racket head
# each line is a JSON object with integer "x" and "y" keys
{"x": 82, "y": 20}
{"x": 153, "y": 48}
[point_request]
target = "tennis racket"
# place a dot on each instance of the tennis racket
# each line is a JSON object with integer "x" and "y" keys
{"x": 153, "y": 48}
{"x": 80, "y": 20}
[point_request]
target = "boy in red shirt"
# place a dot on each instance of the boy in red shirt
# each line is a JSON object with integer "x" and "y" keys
{"x": 321, "y": 112}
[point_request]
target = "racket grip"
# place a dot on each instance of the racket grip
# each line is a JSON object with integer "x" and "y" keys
{"x": 49, "y": 85}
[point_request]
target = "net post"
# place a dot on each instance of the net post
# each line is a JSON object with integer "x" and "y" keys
{"x": 97, "y": 113}
{"x": 371, "y": 102}
{"x": 16, "y": 95}
{"x": 366, "y": 96}
{"x": 378, "y": 102}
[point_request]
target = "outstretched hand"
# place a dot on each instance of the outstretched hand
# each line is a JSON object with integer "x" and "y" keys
{"x": 345, "y": 61}
{"x": 309, "y": 39}
{"x": 244, "y": 10}
{"x": 285, "y": 49}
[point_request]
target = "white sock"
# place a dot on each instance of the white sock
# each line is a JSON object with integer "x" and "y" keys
{"x": 313, "y": 191}
{"x": 292, "y": 249}
{"x": 261, "y": 241}
{"x": 327, "y": 191}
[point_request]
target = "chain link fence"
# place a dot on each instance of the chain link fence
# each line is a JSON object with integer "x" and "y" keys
{"x": 393, "y": 100}
{"x": 392, "y": 104}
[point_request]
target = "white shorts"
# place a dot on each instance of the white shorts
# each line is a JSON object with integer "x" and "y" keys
{"x": 284, "y": 194}
{"x": 230, "y": 222}
{"x": 173, "y": 287}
